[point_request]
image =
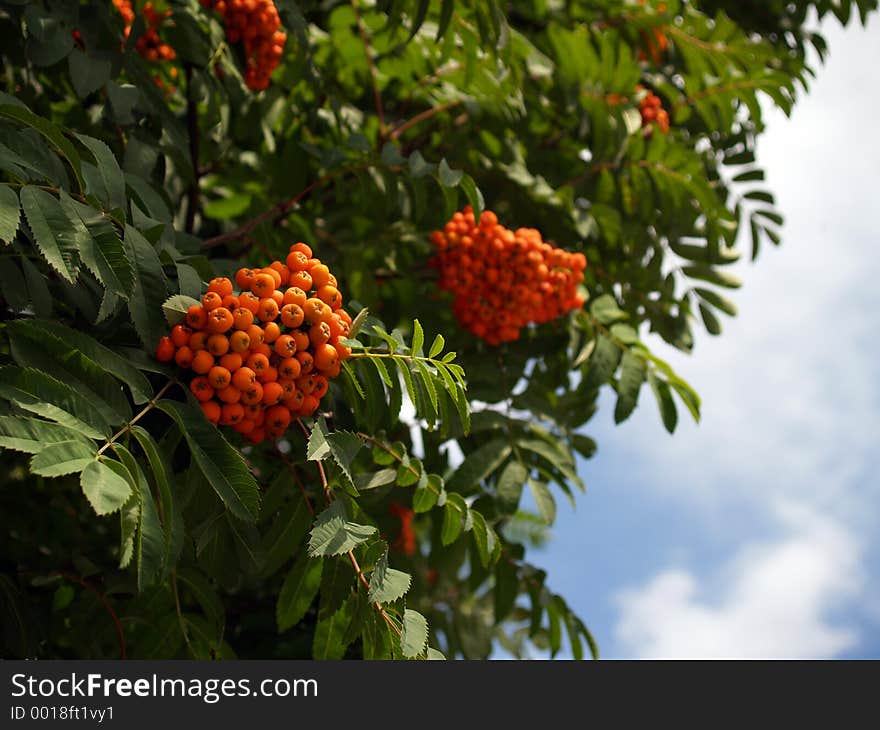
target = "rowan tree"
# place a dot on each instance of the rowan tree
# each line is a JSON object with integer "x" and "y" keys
{"x": 297, "y": 300}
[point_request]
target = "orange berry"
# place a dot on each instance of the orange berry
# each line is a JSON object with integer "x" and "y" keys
{"x": 263, "y": 285}
{"x": 201, "y": 388}
{"x": 211, "y": 410}
{"x": 231, "y": 413}
{"x": 268, "y": 375}
{"x": 275, "y": 274}
{"x": 239, "y": 341}
{"x": 202, "y": 362}
{"x": 221, "y": 285}
{"x": 218, "y": 377}
{"x": 244, "y": 278}
{"x": 212, "y": 300}
{"x": 262, "y": 349}
{"x": 292, "y": 315}
{"x": 326, "y": 356}
{"x": 229, "y": 394}
{"x": 310, "y": 405}
{"x": 278, "y": 296}
{"x": 249, "y": 301}
{"x": 244, "y": 377}
{"x": 319, "y": 333}
{"x": 255, "y": 333}
{"x": 218, "y": 345}
{"x": 165, "y": 350}
{"x": 283, "y": 272}
{"x": 301, "y": 339}
{"x": 184, "y": 357}
{"x": 272, "y": 393}
{"x": 316, "y": 311}
{"x": 180, "y": 335}
{"x": 294, "y": 295}
{"x": 289, "y": 388}
{"x": 242, "y": 318}
{"x": 277, "y": 417}
{"x": 285, "y": 346}
{"x": 289, "y": 367}
{"x": 268, "y": 310}
{"x": 252, "y": 394}
{"x": 271, "y": 332}
{"x": 296, "y": 261}
{"x": 258, "y": 363}
{"x": 198, "y": 341}
{"x": 320, "y": 274}
{"x": 196, "y": 316}
{"x": 322, "y": 385}
{"x": 301, "y": 279}
{"x": 330, "y": 295}
{"x": 230, "y": 302}
{"x": 302, "y": 247}
{"x": 219, "y": 320}
{"x": 306, "y": 361}
{"x": 232, "y": 361}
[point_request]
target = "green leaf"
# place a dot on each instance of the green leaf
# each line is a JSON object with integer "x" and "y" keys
{"x": 221, "y": 464}
{"x": 31, "y": 435}
{"x": 112, "y": 179}
{"x": 104, "y": 253}
{"x": 509, "y": 487}
{"x": 343, "y": 446}
{"x": 632, "y": 375}
{"x": 55, "y": 234}
{"x": 388, "y": 584}
{"x": 437, "y": 346}
{"x": 62, "y": 457}
{"x": 418, "y": 339}
{"x": 286, "y": 534}
{"x": 414, "y": 636}
{"x": 175, "y": 308}
{"x": 478, "y": 465}
{"x": 473, "y": 195}
{"x": 149, "y": 539}
{"x": 375, "y": 480}
{"x": 713, "y": 326}
{"x": 665, "y": 403}
{"x": 544, "y": 500}
{"x": 328, "y": 640}
{"x": 713, "y": 276}
{"x": 426, "y": 496}
{"x": 81, "y": 345}
{"x": 454, "y": 513}
{"x": 605, "y": 309}
{"x": 150, "y": 289}
{"x": 10, "y": 214}
{"x": 49, "y": 131}
{"x": 717, "y": 301}
{"x": 44, "y": 395}
{"x": 484, "y": 537}
{"x": 105, "y": 486}
{"x": 87, "y": 73}
{"x": 298, "y": 591}
{"x": 448, "y": 177}
{"x": 334, "y": 534}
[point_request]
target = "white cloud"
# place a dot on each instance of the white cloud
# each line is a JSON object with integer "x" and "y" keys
{"x": 776, "y": 600}
{"x": 791, "y": 408}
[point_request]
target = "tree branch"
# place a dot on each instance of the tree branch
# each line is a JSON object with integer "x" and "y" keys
{"x": 427, "y": 114}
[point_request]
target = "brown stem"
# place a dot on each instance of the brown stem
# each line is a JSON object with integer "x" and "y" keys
{"x": 354, "y": 563}
{"x": 143, "y": 412}
{"x": 292, "y": 469}
{"x": 192, "y": 118}
{"x": 103, "y": 598}
{"x": 427, "y": 114}
{"x": 278, "y": 210}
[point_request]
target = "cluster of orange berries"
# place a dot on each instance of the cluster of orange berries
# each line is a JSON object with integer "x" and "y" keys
{"x": 265, "y": 355}
{"x": 405, "y": 541}
{"x": 652, "y": 111}
{"x": 149, "y": 45}
{"x": 504, "y": 280}
{"x": 257, "y": 25}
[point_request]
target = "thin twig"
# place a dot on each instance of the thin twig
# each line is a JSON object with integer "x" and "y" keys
{"x": 143, "y": 412}
{"x": 354, "y": 563}
{"x": 104, "y": 600}
{"x": 292, "y": 469}
{"x": 278, "y": 210}
{"x": 427, "y": 114}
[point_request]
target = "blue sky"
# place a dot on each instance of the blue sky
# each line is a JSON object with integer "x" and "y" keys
{"x": 756, "y": 533}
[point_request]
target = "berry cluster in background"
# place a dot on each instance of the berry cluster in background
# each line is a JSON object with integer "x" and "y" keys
{"x": 264, "y": 354}
{"x": 652, "y": 111}
{"x": 503, "y": 280}
{"x": 256, "y": 24}
{"x": 150, "y": 44}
